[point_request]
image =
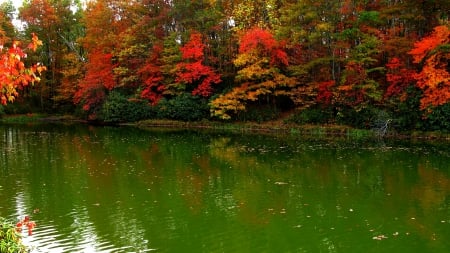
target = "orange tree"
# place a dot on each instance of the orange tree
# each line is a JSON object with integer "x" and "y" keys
{"x": 433, "y": 78}
{"x": 14, "y": 75}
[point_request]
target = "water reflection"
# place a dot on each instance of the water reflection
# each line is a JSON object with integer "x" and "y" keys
{"x": 128, "y": 190}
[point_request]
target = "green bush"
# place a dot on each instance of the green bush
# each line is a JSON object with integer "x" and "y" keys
{"x": 17, "y": 107}
{"x": 184, "y": 107}
{"x": 258, "y": 113}
{"x": 362, "y": 118}
{"x": 406, "y": 115}
{"x": 312, "y": 115}
{"x": 438, "y": 119}
{"x": 10, "y": 239}
{"x": 117, "y": 108}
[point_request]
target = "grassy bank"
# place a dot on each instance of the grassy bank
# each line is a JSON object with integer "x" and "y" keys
{"x": 36, "y": 117}
{"x": 290, "y": 129}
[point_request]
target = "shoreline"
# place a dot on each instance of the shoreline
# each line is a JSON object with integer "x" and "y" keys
{"x": 327, "y": 130}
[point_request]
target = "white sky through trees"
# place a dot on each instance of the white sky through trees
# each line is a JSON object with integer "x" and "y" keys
{"x": 17, "y": 3}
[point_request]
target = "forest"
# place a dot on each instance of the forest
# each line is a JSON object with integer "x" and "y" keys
{"x": 349, "y": 62}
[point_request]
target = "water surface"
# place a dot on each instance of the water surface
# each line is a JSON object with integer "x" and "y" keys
{"x": 106, "y": 189}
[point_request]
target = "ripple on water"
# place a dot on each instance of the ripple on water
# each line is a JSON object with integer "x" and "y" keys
{"x": 48, "y": 238}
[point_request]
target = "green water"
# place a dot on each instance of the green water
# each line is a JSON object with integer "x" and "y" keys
{"x": 104, "y": 189}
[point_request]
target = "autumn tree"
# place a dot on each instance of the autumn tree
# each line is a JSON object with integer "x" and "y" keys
{"x": 139, "y": 28}
{"x": 260, "y": 76}
{"x": 99, "y": 42}
{"x": 432, "y": 54}
{"x": 208, "y": 19}
{"x": 152, "y": 76}
{"x": 72, "y": 73}
{"x": 99, "y": 79}
{"x": 14, "y": 76}
{"x": 316, "y": 50}
{"x": 399, "y": 79}
{"x": 170, "y": 57}
{"x": 246, "y": 14}
{"x": 192, "y": 71}
{"x": 7, "y": 30}
{"x": 57, "y": 23}
{"x": 359, "y": 85}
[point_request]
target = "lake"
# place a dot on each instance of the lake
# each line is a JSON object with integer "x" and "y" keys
{"x": 123, "y": 189}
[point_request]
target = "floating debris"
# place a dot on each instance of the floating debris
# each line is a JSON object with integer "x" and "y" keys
{"x": 281, "y": 183}
{"x": 379, "y": 237}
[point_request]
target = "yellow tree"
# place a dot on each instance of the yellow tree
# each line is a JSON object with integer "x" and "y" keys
{"x": 261, "y": 60}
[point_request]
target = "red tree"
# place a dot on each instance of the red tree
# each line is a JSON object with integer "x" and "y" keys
{"x": 325, "y": 93}
{"x": 99, "y": 78}
{"x": 192, "y": 71}
{"x": 398, "y": 78}
{"x": 264, "y": 42}
{"x": 152, "y": 76}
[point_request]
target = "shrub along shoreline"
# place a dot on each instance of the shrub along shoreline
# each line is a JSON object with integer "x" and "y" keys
{"x": 10, "y": 238}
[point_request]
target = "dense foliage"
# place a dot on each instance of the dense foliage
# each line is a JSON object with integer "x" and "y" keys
{"x": 320, "y": 61}
{"x": 10, "y": 239}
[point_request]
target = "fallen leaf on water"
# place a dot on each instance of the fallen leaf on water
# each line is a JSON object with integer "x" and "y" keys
{"x": 379, "y": 237}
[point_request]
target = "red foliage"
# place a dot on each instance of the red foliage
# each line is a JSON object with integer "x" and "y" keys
{"x": 13, "y": 73}
{"x": 194, "y": 48}
{"x": 264, "y": 41}
{"x": 325, "y": 94}
{"x": 39, "y": 13}
{"x": 434, "y": 80}
{"x": 193, "y": 71}
{"x": 99, "y": 78}
{"x": 355, "y": 76}
{"x": 422, "y": 48}
{"x": 152, "y": 76}
{"x": 398, "y": 78}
